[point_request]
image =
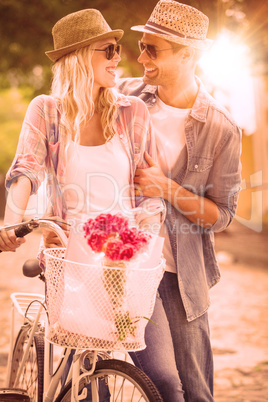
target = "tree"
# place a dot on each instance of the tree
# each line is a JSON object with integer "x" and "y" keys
{"x": 25, "y": 31}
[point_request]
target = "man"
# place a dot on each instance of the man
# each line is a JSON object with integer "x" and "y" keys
{"x": 199, "y": 177}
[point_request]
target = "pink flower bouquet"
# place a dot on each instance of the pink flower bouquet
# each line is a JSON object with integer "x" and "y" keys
{"x": 119, "y": 245}
{"x": 111, "y": 235}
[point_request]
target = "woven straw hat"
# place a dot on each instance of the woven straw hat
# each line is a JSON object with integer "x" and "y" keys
{"x": 78, "y": 30}
{"x": 178, "y": 23}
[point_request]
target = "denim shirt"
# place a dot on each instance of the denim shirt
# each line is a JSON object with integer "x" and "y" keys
{"x": 208, "y": 165}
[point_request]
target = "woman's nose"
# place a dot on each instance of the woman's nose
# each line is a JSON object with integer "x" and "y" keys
{"x": 116, "y": 57}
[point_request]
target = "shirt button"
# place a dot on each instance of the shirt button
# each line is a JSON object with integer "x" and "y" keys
{"x": 121, "y": 136}
{"x": 196, "y": 166}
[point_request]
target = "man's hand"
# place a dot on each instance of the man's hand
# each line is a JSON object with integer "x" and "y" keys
{"x": 51, "y": 240}
{"x": 151, "y": 182}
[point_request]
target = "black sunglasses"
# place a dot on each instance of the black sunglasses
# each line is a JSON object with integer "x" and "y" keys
{"x": 151, "y": 50}
{"x": 110, "y": 51}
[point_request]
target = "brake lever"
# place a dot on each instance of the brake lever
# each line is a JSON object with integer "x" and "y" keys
{"x": 33, "y": 223}
{"x": 23, "y": 228}
{"x": 17, "y": 225}
{"x": 55, "y": 221}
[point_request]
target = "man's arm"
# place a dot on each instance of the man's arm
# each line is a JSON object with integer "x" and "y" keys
{"x": 152, "y": 182}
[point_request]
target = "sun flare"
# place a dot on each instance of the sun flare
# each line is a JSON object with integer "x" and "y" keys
{"x": 226, "y": 70}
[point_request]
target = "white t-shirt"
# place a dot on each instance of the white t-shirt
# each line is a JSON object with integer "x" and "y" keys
{"x": 97, "y": 179}
{"x": 168, "y": 123}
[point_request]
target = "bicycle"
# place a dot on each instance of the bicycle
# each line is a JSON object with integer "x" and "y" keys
{"x": 93, "y": 374}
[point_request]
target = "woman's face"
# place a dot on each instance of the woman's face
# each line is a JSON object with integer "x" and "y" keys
{"x": 104, "y": 69}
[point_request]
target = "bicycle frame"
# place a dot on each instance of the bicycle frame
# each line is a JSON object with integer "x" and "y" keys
{"x": 30, "y": 307}
{"x": 51, "y": 380}
{"x": 24, "y": 304}
{"x": 20, "y": 302}
{"x": 33, "y": 310}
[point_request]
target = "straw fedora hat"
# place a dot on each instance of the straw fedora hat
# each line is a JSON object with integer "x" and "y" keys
{"x": 178, "y": 23}
{"x": 78, "y": 30}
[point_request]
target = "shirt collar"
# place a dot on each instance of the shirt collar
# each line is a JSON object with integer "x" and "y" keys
{"x": 151, "y": 89}
{"x": 200, "y": 108}
{"x": 123, "y": 101}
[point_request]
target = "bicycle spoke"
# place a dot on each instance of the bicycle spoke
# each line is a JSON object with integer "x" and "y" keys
{"x": 116, "y": 381}
{"x": 120, "y": 390}
{"x": 29, "y": 375}
{"x": 29, "y": 379}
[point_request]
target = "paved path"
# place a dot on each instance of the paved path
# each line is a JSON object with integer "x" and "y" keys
{"x": 238, "y": 313}
{"x": 239, "y": 316}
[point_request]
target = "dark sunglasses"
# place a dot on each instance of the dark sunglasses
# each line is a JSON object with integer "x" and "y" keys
{"x": 110, "y": 51}
{"x": 151, "y": 50}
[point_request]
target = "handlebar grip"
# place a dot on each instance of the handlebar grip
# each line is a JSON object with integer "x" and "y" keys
{"x": 23, "y": 230}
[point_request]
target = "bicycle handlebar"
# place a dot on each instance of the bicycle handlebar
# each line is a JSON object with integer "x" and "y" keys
{"x": 22, "y": 229}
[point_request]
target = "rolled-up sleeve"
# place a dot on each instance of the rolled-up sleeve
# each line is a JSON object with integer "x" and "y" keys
{"x": 225, "y": 179}
{"x": 145, "y": 139}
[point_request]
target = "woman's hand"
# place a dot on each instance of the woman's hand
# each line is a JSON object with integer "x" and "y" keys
{"x": 150, "y": 182}
{"x": 51, "y": 240}
{"x": 9, "y": 241}
{"x": 151, "y": 224}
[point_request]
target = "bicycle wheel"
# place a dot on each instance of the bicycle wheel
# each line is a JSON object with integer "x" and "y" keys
{"x": 116, "y": 380}
{"x": 31, "y": 379}
{"x": 13, "y": 395}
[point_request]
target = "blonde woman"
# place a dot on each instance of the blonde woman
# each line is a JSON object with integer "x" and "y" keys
{"x": 84, "y": 137}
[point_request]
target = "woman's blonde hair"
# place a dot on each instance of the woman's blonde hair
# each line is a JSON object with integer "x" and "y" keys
{"x": 72, "y": 88}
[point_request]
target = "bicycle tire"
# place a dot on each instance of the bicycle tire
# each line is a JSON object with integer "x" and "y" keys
{"x": 32, "y": 377}
{"x": 133, "y": 381}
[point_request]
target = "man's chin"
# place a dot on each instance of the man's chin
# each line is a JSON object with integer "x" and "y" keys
{"x": 148, "y": 80}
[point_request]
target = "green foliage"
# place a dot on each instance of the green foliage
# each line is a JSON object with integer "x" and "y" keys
{"x": 13, "y": 105}
{"x": 25, "y": 31}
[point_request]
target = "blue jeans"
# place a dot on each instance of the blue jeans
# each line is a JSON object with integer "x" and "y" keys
{"x": 178, "y": 357}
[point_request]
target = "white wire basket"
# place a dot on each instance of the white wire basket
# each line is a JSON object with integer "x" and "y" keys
{"x": 99, "y": 307}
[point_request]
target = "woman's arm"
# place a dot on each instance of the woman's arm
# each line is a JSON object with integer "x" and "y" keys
{"x": 27, "y": 170}
{"x": 148, "y": 220}
{"x": 17, "y": 200}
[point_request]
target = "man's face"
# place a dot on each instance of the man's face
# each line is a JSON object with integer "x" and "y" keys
{"x": 165, "y": 68}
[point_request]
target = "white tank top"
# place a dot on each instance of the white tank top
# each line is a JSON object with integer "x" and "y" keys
{"x": 168, "y": 123}
{"x": 97, "y": 179}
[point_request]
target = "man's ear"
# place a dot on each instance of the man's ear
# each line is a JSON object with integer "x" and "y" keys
{"x": 187, "y": 54}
